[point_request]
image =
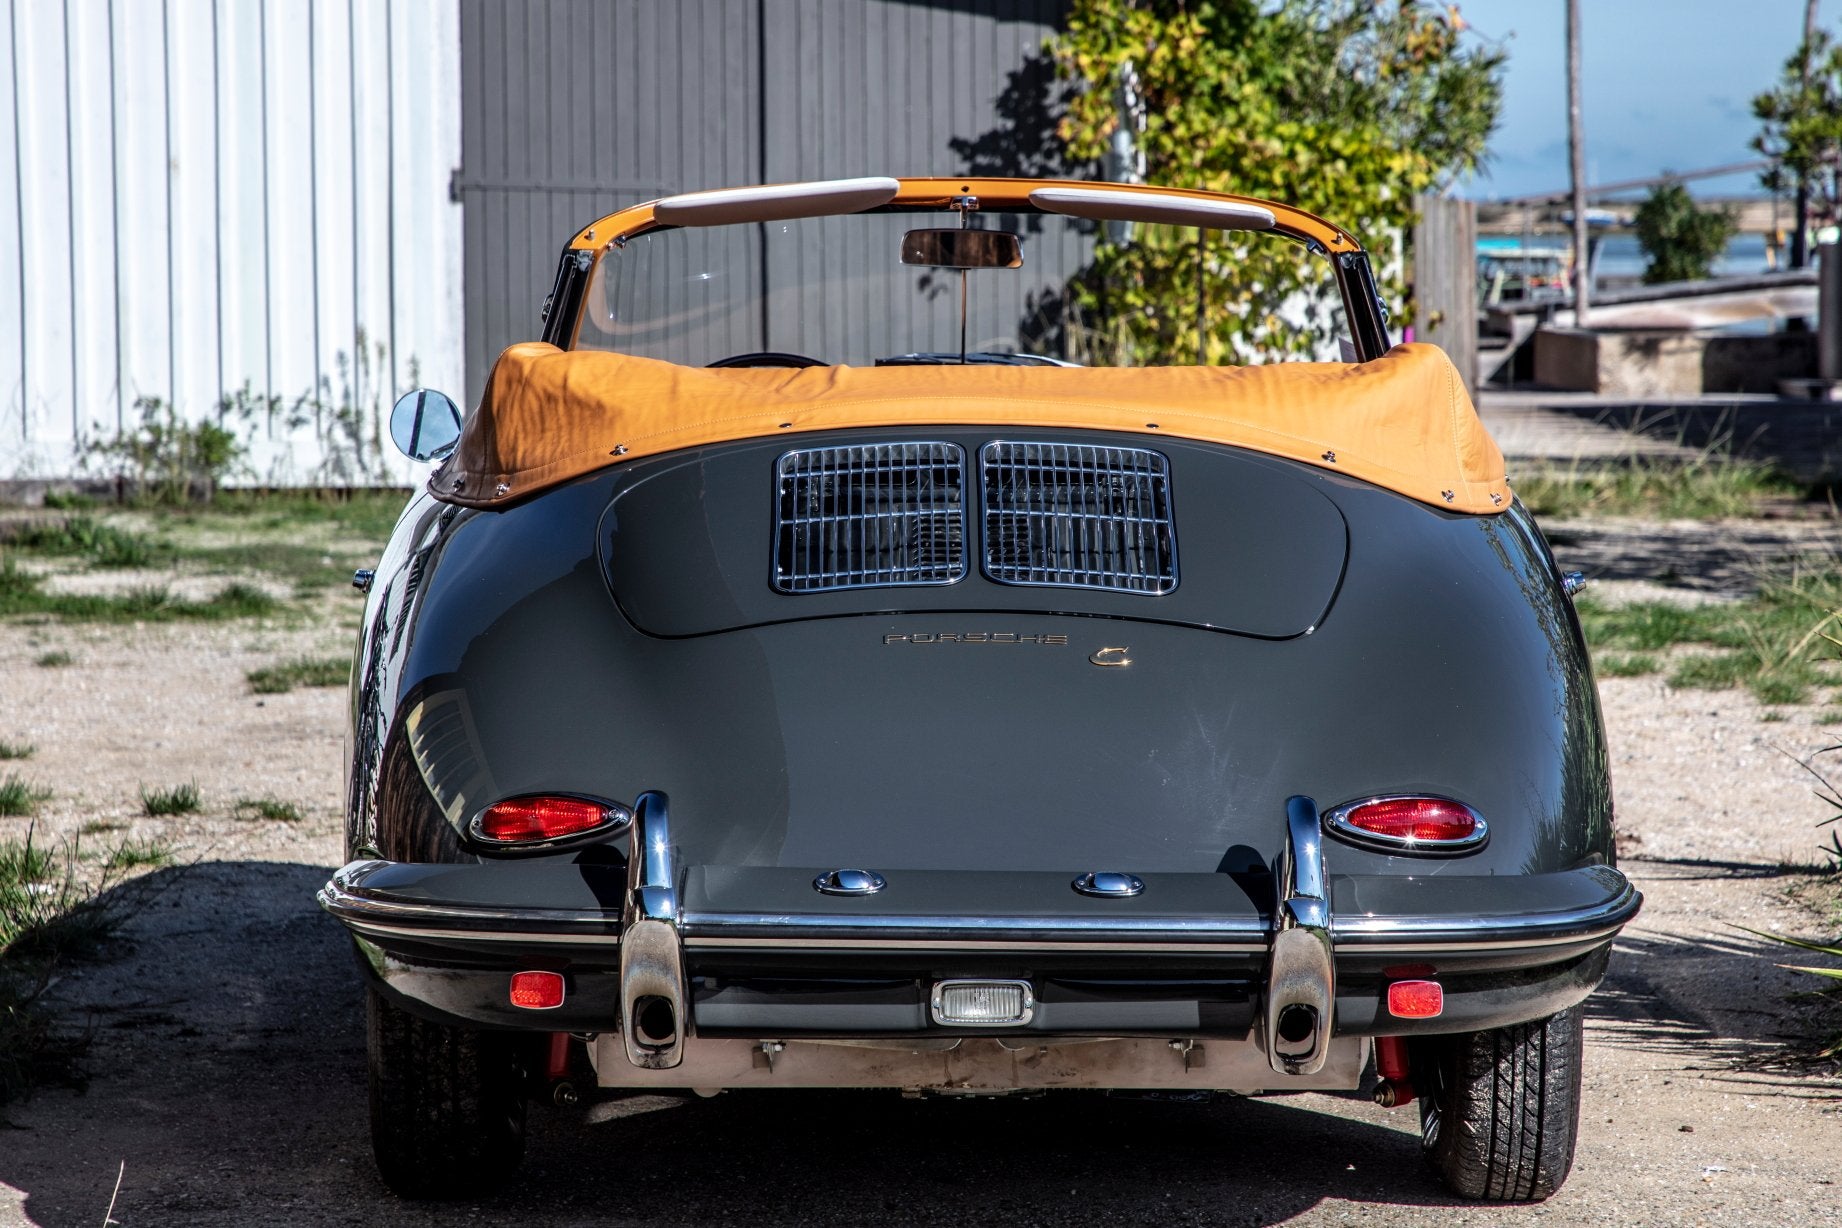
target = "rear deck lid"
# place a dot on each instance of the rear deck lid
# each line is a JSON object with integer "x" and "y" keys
{"x": 994, "y": 520}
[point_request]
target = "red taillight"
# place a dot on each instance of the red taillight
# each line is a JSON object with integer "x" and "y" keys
{"x": 1415, "y": 999}
{"x": 537, "y": 991}
{"x": 1430, "y": 823}
{"x": 523, "y": 820}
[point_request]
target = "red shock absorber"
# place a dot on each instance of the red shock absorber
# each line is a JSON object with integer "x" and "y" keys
{"x": 1395, "y": 1088}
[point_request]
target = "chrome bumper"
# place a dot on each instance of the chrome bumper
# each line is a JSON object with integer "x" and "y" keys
{"x": 1313, "y": 957}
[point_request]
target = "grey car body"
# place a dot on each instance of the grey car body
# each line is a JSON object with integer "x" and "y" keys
{"x": 981, "y": 752}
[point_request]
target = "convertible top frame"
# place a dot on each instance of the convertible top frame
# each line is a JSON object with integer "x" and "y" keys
{"x": 1362, "y": 304}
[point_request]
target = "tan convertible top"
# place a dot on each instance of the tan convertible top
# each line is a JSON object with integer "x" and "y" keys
{"x": 1402, "y": 421}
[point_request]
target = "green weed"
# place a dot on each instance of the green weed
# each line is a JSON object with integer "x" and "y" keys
{"x": 86, "y": 538}
{"x": 53, "y": 660}
{"x": 180, "y": 799}
{"x": 22, "y": 593}
{"x": 16, "y": 750}
{"x": 136, "y": 854}
{"x": 1625, "y": 665}
{"x": 1779, "y": 644}
{"x": 267, "y": 808}
{"x": 1707, "y": 488}
{"x": 19, "y": 796}
{"x": 302, "y": 671}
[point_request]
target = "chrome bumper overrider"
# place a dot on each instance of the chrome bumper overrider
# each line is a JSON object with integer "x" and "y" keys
{"x": 1318, "y": 926}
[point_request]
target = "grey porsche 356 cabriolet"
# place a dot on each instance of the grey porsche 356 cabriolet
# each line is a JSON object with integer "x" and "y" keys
{"x": 770, "y": 691}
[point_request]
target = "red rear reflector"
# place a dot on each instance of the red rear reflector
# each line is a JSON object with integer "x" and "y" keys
{"x": 537, "y": 991}
{"x": 1415, "y": 999}
{"x": 523, "y": 819}
{"x": 1416, "y": 820}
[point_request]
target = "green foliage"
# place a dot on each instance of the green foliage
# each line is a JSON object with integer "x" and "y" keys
{"x": 21, "y": 592}
{"x": 1779, "y": 644}
{"x": 180, "y": 799}
{"x": 1681, "y": 240}
{"x": 267, "y": 808}
{"x": 136, "y": 854}
{"x": 302, "y": 671}
{"x": 165, "y": 459}
{"x": 1707, "y": 489}
{"x": 53, "y": 660}
{"x": 1347, "y": 107}
{"x": 1800, "y": 124}
{"x": 87, "y": 538}
{"x": 16, "y": 750}
{"x": 1625, "y": 665}
{"x": 19, "y": 796}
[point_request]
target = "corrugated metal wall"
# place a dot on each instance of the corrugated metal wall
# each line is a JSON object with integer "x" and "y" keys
{"x": 202, "y": 195}
{"x": 573, "y": 108}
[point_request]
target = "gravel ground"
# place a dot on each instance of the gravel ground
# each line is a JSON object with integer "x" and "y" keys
{"x": 227, "y": 1049}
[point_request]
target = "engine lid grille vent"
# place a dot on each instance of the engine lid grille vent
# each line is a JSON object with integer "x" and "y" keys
{"x": 1078, "y": 515}
{"x": 870, "y": 515}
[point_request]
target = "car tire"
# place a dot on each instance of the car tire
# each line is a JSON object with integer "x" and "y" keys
{"x": 447, "y": 1105}
{"x": 1500, "y": 1110}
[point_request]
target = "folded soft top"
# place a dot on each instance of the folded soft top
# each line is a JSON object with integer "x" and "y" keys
{"x": 1402, "y": 421}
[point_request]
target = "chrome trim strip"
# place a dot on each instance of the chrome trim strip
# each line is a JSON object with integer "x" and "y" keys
{"x": 1614, "y": 913}
{"x": 521, "y": 938}
{"x": 376, "y": 911}
{"x": 352, "y": 905}
{"x": 705, "y": 924}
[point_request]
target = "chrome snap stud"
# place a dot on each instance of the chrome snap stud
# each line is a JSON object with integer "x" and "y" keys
{"x": 1109, "y": 885}
{"x": 849, "y": 882}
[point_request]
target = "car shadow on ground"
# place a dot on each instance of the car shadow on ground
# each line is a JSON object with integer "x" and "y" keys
{"x": 1721, "y": 1004}
{"x": 227, "y": 1067}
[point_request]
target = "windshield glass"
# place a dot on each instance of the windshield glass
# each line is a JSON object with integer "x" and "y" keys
{"x": 834, "y": 290}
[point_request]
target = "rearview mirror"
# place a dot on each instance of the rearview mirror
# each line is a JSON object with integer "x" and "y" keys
{"x": 962, "y": 249}
{"x": 425, "y": 425}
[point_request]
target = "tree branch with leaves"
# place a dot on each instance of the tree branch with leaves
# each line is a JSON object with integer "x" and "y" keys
{"x": 1349, "y": 108}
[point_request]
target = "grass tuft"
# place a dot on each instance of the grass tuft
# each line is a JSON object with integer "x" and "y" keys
{"x": 1625, "y": 665}
{"x": 1780, "y": 644}
{"x": 21, "y": 592}
{"x": 16, "y": 750}
{"x": 19, "y": 796}
{"x": 1707, "y": 488}
{"x": 136, "y": 854}
{"x": 53, "y": 660}
{"x": 302, "y": 671}
{"x": 86, "y": 538}
{"x": 180, "y": 799}
{"x": 49, "y": 916}
{"x": 267, "y": 808}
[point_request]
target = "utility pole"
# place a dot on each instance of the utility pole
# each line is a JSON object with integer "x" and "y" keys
{"x": 1576, "y": 152}
{"x": 1800, "y": 211}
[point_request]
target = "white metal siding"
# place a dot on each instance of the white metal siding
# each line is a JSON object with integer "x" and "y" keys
{"x": 198, "y": 195}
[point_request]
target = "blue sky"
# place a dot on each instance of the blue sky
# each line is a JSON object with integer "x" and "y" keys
{"x": 1667, "y": 85}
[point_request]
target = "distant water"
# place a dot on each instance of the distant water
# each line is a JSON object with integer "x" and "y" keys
{"x": 1621, "y": 258}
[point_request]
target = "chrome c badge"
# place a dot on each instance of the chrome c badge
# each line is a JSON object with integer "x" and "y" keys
{"x": 1113, "y": 657}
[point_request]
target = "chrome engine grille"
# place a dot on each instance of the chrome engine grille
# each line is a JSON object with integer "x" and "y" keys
{"x": 1078, "y": 515}
{"x": 881, "y": 514}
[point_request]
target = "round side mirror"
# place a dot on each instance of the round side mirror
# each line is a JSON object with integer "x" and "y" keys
{"x": 425, "y": 425}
